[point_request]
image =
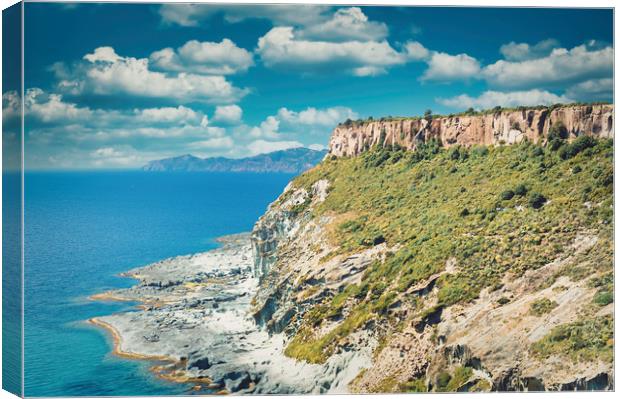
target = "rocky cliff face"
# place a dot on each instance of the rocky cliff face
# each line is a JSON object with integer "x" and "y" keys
{"x": 334, "y": 255}
{"x": 502, "y": 127}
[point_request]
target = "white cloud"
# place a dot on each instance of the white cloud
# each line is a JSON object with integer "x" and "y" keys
{"x": 114, "y": 157}
{"x": 107, "y": 74}
{"x": 443, "y": 67}
{"x": 51, "y": 108}
{"x": 317, "y": 147}
{"x": 522, "y": 51}
{"x": 416, "y": 51}
{"x": 590, "y": 90}
{"x": 11, "y": 105}
{"x": 262, "y": 146}
{"x": 178, "y": 115}
{"x": 561, "y": 65}
{"x": 230, "y": 114}
{"x": 268, "y": 128}
{"x": 214, "y": 143}
{"x": 103, "y": 54}
{"x": 311, "y": 116}
{"x": 223, "y": 58}
{"x": 278, "y": 14}
{"x": 282, "y": 49}
{"x": 490, "y": 99}
{"x": 346, "y": 24}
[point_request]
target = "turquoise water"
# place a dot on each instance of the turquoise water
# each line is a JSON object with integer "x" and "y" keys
{"x": 82, "y": 229}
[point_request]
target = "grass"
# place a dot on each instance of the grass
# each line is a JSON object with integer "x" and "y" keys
{"x": 585, "y": 340}
{"x": 524, "y": 206}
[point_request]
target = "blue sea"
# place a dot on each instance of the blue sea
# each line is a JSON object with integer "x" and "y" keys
{"x": 82, "y": 229}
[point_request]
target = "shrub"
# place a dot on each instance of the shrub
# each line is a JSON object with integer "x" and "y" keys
{"x": 464, "y": 212}
{"x": 503, "y": 300}
{"x": 443, "y": 379}
{"x": 507, "y": 195}
{"x": 542, "y": 306}
{"x": 537, "y": 200}
{"x": 521, "y": 190}
{"x": 576, "y": 169}
{"x": 581, "y": 144}
{"x": 537, "y": 152}
{"x": 603, "y": 298}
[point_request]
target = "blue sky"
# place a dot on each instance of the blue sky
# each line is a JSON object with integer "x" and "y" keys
{"x": 117, "y": 85}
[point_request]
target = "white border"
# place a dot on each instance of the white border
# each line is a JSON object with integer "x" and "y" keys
{"x": 478, "y": 3}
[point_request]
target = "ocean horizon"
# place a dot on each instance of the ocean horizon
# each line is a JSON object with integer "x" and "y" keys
{"x": 83, "y": 229}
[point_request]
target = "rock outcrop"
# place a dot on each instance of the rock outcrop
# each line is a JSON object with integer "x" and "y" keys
{"x": 501, "y": 127}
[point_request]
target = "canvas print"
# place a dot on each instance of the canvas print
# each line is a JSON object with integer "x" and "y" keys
{"x": 250, "y": 199}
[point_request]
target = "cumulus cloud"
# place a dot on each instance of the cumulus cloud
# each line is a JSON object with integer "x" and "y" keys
{"x": 317, "y": 147}
{"x": 51, "y": 108}
{"x": 107, "y": 73}
{"x": 262, "y": 146}
{"x": 268, "y": 128}
{"x": 311, "y": 116}
{"x": 416, "y": 51}
{"x": 176, "y": 115}
{"x": 223, "y": 58}
{"x": 11, "y": 105}
{"x": 278, "y": 14}
{"x": 592, "y": 90}
{"x": 214, "y": 143}
{"x": 281, "y": 48}
{"x": 229, "y": 114}
{"x": 490, "y": 99}
{"x": 583, "y": 62}
{"x": 346, "y": 24}
{"x": 444, "y": 67}
{"x": 523, "y": 51}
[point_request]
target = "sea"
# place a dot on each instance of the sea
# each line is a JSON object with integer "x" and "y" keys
{"x": 84, "y": 228}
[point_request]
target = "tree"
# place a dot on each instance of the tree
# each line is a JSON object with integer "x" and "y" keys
{"x": 428, "y": 115}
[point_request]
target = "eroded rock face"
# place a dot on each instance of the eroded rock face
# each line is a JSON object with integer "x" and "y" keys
{"x": 503, "y": 127}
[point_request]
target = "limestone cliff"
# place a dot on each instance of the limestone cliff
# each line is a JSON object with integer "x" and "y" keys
{"x": 459, "y": 270}
{"x": 501, "y": 127}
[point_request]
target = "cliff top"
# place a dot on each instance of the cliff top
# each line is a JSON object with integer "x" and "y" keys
{"x": 470, "y": 112}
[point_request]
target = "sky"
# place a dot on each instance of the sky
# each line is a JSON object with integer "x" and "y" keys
{"x": 117, "y": 85}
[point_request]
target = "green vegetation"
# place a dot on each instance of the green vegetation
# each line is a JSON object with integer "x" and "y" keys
{"x": 436, "y": 204}
{"x": 451, "y": 383}
{"x": 585, "y": 340}
{"x": 542, "y": 306}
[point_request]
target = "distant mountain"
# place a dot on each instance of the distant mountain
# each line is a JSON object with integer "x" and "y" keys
{"x": 294, "y": 160}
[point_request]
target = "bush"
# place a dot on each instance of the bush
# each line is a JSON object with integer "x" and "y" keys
{"x": 521, "y": 190}
{"x": 576, "y": 169}
{"x": 464, "y": 212}
{"x": 542, "y": 306}
{"x": 503, "y": 300}
{"x": 537, "y": 200}
{"x": 443, "y": 379}
{"x": 603, "y": 298}
{"x": 581, "y": 144}
{"x": 537, "y": 152}
{"x": 507, "y": 195}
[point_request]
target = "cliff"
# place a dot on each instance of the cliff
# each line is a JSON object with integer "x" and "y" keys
{"x": 294, "y": 160}
{"x": 452, "y": 268}
{"x": 501, "y": 127}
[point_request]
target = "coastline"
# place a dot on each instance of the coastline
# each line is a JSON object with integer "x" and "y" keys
{"x": 194, "y": 322}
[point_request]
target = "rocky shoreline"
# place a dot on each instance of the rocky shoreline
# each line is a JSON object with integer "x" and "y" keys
{"x": 194, "y": 322}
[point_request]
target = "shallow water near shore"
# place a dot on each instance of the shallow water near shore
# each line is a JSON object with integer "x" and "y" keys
{"x": 82, "y": 229}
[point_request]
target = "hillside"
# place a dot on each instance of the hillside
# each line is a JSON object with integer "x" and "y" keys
{"x": 294, "y": 160}
{"x": 463, "y": 267}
